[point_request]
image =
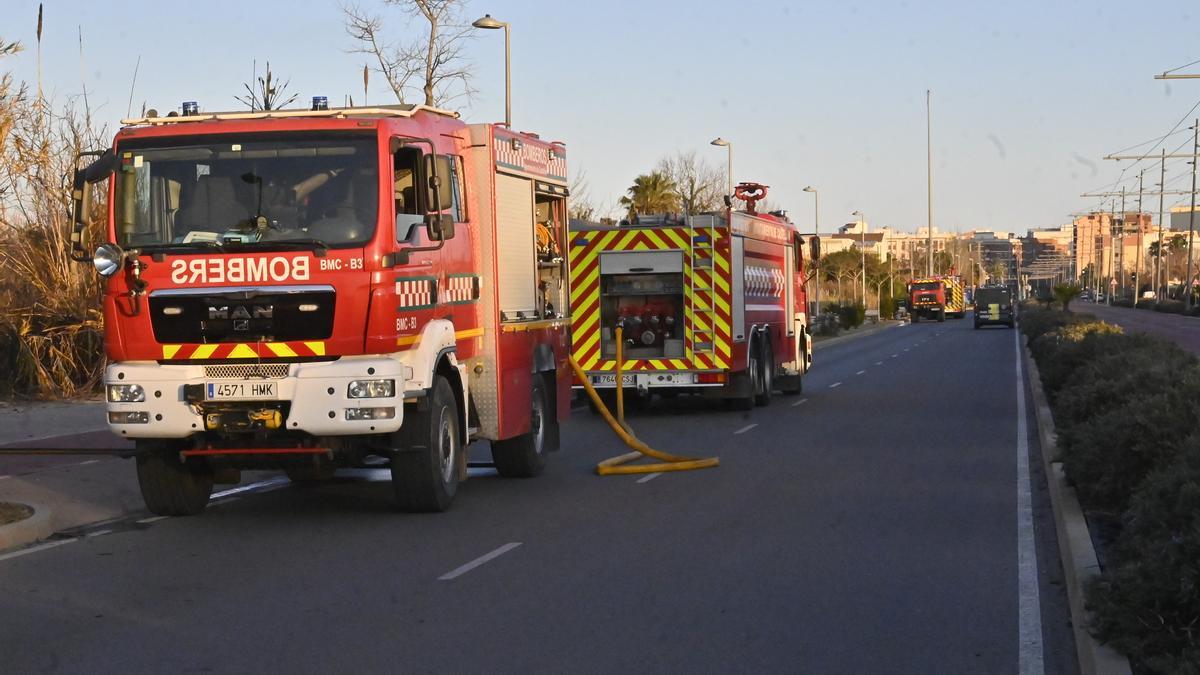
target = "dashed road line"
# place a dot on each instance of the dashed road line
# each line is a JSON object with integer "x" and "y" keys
{"x": 649, "y": 477}
{"x": 481, "y": 560}
{"x": 152, "y": 519}
{"x": 744, "y": 429}
{"x": 90, "y": 461}
{"x": 895, "y": 355}
{"x": 860, "y": 372}
{"x": 835, "y": 384}
{"x": 803, "y": 400}
{"x": 99, "y": 533}
{"x": 879, "y": 363}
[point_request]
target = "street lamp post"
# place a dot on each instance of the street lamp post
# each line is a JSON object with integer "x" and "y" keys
{"x": 488, "y": 23}
{"x": 816, "y": 233}
{"x": 862, "y": 220}
{"x": 721, "y": 142}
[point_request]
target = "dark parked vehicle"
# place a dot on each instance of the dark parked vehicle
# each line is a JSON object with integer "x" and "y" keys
{"x": 994, "y": 305}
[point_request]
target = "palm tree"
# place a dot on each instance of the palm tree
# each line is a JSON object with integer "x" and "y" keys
{"x": 1065, "y": 293}
{"x": 651, "y": 193}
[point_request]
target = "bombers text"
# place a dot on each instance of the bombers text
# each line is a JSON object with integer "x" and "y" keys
{"x": 239, "y": 270}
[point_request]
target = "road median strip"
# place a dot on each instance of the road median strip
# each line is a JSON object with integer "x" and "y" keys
{"x": 1076, "y": 550}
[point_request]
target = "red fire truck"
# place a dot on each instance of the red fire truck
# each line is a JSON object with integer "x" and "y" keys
{"x": 712, "y": 304}
{"x": 313, "y": 289}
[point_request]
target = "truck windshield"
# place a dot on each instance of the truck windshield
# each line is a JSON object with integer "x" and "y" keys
{"x": 992, "y": 296}
{"x": 249, "y": 190}
{"x": 927, "y": 286}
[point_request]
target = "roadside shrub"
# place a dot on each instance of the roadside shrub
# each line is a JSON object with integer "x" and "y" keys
{"x": 1107, "y": 454}
{"x": 1139, "y": 365}
{"x": 1062, "y": 350}
{"x": 827, "y": 323}
{"x": 1122, "y": 302}
{"x": 1147, "y": 303}
{"x": 851, "y": 316}
{"x": 1147, "y": 603}
{"x": 1170, "y": 307}
{"x": 1035, "y": 322}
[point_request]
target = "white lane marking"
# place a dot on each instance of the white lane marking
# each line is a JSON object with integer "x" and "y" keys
{"x": 744, "y": 429}
{"x": 152, "y": 519}
{"x": 90, "y": 461}
{"x": 860, "y": 372}
{"x": 1029, "y": 633}
{"x": 835, "y": 384}
{"x": 895, "y": 355}
{"x": 649, "y": 477}
{"x": 35, "y": 549}
{"x": 803, "y": 400}
{"x": 260, "y": 486}
{"x": 5, "y": 476}
{"x": 879, "y": 363}
{"x": 99, "y": 533}
{"x": 483, "y": 559}
{"x": 906, "y": 349}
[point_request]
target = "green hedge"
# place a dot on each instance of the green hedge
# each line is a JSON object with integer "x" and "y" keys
{"x": 1127, "y": 408}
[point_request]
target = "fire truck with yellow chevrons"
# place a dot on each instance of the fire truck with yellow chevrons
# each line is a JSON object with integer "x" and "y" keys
{"x": 321, "y": 288}
{"x": 713, "y": 304}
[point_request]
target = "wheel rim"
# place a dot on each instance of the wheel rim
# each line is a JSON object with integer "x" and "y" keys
{"x": 537, "y": 423}
{"x": 446, "y": 442}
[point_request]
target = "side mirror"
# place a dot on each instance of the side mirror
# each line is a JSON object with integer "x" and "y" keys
{"x": 440, "y": 226}
{"x": 81, "y": 199}
{"x": 814, "y": 248}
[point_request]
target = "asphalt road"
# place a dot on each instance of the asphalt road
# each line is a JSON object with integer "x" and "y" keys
{"x": 868, "y": 525}
{"x": 1182, "y": 330}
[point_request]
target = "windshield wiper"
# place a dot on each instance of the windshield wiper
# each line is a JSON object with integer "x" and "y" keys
{"x": 182, "y": 246}
{"x": 318, "y": 245}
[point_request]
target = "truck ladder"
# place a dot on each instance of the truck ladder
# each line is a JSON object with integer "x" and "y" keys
{"x": 702, "y": 296}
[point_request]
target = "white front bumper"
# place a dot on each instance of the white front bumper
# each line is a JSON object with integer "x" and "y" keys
{"x": 317, "y": 393}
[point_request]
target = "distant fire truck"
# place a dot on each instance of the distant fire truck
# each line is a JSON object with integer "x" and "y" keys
{"x": 936, "y": 297}
{"x": 313, "y": 289}
{"x": 712, "y": 304}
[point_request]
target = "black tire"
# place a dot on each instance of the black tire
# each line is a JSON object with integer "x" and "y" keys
{"x": 976, "y": 325}
{"x": 745, "y": 403}
{"x": 766, "y": 375}
{"x": 793, "y": 385}
{"x": 916, "y": 318}
{"x": 170, "y": 487}
{"x": 525, "y": 455}
{"x": 425, "y": 465}
{"x": 941, "y": 316}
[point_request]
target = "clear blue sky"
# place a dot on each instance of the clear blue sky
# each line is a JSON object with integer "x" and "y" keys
{"x": 1028, "y": 95}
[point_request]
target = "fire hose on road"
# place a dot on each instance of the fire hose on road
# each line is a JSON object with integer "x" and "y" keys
{"x": 620, "y": 465}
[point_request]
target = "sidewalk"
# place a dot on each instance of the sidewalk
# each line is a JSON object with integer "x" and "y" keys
{"x": 1182, "y": 330}
{"x": 75, "y": 489}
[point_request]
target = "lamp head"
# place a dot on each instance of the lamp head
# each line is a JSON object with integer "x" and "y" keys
{"x": 719, "y": 141}
{"x": 488, "y": 22}
{"x": 809, "y": 188}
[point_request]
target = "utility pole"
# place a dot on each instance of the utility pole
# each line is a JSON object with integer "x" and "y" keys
{"x": 1112, "y": 223}
{"x": 929, "y": 180}
{"x": 1137, "y": 265}
{"x": 1121, "y": 274}
{"x": 1162, "y": 184}
{"x": 1187, "y": 282}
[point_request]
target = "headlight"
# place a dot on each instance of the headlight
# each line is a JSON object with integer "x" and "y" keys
{"x": 361, "y": 414}
{"x": 108, "y": 259}
{"x": 371, "y": 389}
{"x": 126, "y": 393}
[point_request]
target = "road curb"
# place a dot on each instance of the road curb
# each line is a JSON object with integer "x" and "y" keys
{"x": 36, "y": 527}
{"x": 1075, "y": 548}
{"x": 859, "y": 332}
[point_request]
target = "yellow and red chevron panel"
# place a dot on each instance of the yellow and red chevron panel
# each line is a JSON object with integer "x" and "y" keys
{"x": 706, "y": 288}
{"x": 243, "y": 350}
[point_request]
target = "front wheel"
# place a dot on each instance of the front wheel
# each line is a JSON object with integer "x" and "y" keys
{"x": 525, "y": 455}
{"x": 916, "y": 318}
{"x": 170, "y": 487}
{"x": 941, "y": 316}
{"x": 425, "y": 465}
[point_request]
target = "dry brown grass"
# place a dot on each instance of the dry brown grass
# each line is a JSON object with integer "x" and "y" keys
{"x": 50, "y": 325}
{"x": 11, "y": 513}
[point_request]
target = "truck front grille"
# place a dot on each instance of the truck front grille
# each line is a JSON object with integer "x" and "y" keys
{"x": 244, "y": 371}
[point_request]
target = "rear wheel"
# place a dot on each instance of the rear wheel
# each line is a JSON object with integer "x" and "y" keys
{"x": 941, "y": 315}
{"x": 916, "y": 318}
{"x": 425, "y": 465}
{"x": 169, "y": 486}
{"x": 754, "y": 375}
{"x": 766, "y": 376}
{"x": 525, "y": 455}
